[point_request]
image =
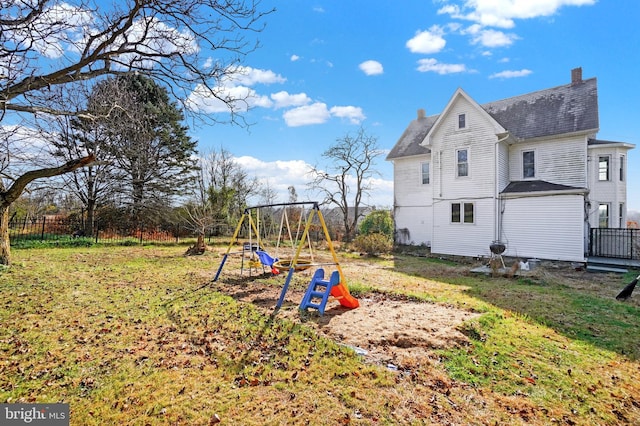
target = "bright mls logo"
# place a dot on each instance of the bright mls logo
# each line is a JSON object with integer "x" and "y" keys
{"x": 34, "y": 414}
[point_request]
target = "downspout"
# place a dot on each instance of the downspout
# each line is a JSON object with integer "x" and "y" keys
{"x": 498, "y": 208}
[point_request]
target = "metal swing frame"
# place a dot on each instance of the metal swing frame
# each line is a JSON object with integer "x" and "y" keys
{"x": 315, "y": 210}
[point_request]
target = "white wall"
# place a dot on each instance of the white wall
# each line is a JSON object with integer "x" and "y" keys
{"x": 613, "y": 191}
{"x": 561, "y": 161}
{"x": 549, "y": 227}
{"x": 463, "y": 239}
{"x": 413, "y": 201}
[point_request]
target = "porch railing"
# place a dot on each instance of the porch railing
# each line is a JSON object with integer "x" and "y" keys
{"x": 619, "y": 243}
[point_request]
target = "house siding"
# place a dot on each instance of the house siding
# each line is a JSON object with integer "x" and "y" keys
{"x": 612, "y": 192}
{"x": 547, "y": 218}
{"x": 546, "y": 227}
{"x": 478, "y": 188}
{"x": 464, "y": 239}
{"x": 413, "y": 201}
{"x": 479, "y": 138}
{"x": 561, "y": 161}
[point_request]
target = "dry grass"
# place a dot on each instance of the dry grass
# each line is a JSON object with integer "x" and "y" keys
{"x": 140, "y": 335}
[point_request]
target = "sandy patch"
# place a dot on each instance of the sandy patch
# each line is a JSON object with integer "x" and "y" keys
{"x": 383, "y": 329}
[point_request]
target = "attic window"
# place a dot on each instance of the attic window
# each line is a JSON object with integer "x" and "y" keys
{"x": 462, "y": 121}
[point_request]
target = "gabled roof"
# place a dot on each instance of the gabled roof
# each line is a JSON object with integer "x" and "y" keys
{"x": 537, "y": 186}
{"x": 409, "y": 143}
{"x": 564, "y": 109}
{"x": 567, "y": 109}
{"x": 461, "y": 94}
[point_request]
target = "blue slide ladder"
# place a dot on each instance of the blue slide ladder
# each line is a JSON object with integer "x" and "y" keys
{"x": 319, "y": 291}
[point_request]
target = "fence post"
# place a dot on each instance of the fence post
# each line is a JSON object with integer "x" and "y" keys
{"x": 141, "y": 230}
{"x": 44, "y": 220}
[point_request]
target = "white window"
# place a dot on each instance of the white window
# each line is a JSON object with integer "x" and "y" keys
{"x": 603, "y": 215}
{"x": 462, "y": 162}
{"x": 462, "y": 121}
{"x": 621, "y": 168}
{"x": 424, "y": 173}
{"x": 462, "y": 212}
{"x": 528, "y": 164}
{"x": 621, "y": 223}
{"x": 603, "y": 167}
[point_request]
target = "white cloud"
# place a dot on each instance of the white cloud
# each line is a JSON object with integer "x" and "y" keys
{"x": 208, "y": 63}
{"x": 27, "y": 145}
{"x": 238, "y": 98}
{"x": 353, "y": 114}
{"x": 502, "y": 13}
{"x": 249, "y": 76}
{"x": 53, "y": 31}
{"x": 234, "y": 91}
{"x": 432, "y": 65}
{"x": 284, "y": 99}
{"x": 316, "y": 113}
{"x": 152, "y": 36}
{"x": 427, "y": 42}
{"x": 282, "y": 174}
{"x": 371, "y": 67}
{"x": 294, "y": 58}
{"x": 493, "y": 38}
{"x": 511, "y": 74}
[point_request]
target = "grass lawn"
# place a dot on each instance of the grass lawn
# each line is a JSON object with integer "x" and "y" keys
{"x": 139, "y": 336}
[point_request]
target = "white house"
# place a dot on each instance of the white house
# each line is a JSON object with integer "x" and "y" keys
{"x": 527, "y": 171}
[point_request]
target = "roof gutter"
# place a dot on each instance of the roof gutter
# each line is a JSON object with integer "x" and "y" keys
{"x": 513, "y": 195}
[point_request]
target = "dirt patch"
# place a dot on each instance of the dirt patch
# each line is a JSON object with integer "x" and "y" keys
{"x": 384, "y": 329}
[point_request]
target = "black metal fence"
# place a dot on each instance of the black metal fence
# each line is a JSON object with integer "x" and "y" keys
{"x": 49, "y": 228}
{"x": 620, "y": 243}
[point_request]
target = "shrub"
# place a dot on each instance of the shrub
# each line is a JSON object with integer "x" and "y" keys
{"x": 373, "y": 244}
{"x": 377, "y": 222}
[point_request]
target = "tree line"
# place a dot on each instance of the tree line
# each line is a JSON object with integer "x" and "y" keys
{"x": 97, "y": 94}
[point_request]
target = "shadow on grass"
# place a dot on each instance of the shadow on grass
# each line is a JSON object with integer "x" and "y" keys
{"x": 578, "y": 305}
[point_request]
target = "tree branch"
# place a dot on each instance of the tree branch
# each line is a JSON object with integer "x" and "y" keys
{"x": 14, "y": 191}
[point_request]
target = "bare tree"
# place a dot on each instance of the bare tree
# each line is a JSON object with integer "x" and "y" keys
{"x": 76, "y": 137}
{"x": 48, "y": 44}
{"x": 347, "y": 176}
{"x": 219, "y": 196}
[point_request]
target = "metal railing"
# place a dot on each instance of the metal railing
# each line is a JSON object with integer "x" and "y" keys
{"x": 619, "y": 243}
{"x": 55, "y": 229}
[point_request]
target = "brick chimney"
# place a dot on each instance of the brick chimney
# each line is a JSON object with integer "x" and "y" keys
{"x": 576, "y": 75}
{"x": 421, "y": 114}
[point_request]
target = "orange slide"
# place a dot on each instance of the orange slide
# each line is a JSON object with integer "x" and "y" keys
{"x": 341, "y": 292}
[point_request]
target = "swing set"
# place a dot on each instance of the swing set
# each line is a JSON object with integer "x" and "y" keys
{"x": 318, "y": 288}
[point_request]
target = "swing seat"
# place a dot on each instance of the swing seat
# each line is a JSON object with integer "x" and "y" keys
{"x": 285, "y": 264}
{"x": 265, "y": 259}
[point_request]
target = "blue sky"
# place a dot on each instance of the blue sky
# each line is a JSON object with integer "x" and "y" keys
{"x": 326, "y": 68}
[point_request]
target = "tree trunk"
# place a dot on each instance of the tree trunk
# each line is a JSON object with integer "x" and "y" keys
{"x": 5, "y": 247}
{"x": 198, "y": 248}
{"x": 91, "y": 212}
